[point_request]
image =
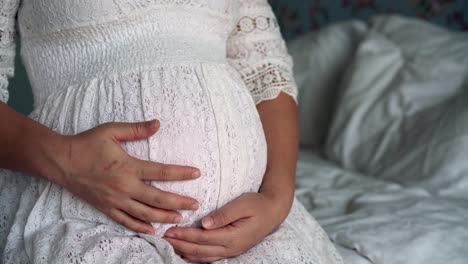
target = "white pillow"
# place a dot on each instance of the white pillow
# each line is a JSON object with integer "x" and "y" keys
{"x": 320, "y": 59}
{"x": 400, "y": 112}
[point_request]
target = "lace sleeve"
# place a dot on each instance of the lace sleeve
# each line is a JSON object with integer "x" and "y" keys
{"x": 8, "y": 9}
{"x": 258, "y": 51}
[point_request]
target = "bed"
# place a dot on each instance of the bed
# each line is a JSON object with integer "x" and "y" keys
{"x": 384, "y": 133}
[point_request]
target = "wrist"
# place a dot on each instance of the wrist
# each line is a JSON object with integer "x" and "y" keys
{"x": 281, "y": 200}
{"x": 44, "y": 149}
{"x": 279, "y": 185}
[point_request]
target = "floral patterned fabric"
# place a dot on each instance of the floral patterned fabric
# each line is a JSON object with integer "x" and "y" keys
{"x": 299, "y": 16}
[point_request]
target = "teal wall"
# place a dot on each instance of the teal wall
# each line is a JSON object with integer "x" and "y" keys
{"x": 20, "y": 90}
{"x": 299, "y": 16}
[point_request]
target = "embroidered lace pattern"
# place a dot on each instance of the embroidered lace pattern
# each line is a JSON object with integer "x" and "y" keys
{"x": 257, "y": 50}
{"x": 199, "y": 66}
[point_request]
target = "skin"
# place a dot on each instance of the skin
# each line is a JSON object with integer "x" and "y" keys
{"x": 247, "y": 220}
{"x": 94, "y": 166}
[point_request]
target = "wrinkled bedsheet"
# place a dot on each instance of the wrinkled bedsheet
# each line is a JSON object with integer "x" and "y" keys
{"x": 378, "y": 221}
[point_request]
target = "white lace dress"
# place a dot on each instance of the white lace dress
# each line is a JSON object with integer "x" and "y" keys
{"x": 199, "y": 66}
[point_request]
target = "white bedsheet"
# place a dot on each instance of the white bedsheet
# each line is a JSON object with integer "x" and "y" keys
{"x": 393, "y": 186}
{"x": 376, "y": 221}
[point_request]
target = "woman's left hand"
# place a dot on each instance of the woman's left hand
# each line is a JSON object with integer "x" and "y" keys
{"x": 229, "y": 231}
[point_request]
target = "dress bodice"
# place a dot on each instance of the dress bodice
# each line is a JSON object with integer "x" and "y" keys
{"x": 68, "y": 42}
{"x": 39, "y": 17}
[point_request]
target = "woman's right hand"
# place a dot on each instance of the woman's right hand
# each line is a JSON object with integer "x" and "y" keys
{"x": 97, "y": 169}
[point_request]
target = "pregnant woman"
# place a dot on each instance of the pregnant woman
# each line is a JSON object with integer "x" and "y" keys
{"x": 216, "y": 76}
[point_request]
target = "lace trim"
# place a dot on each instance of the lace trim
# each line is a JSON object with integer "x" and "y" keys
{"x": 216, "y": 5}
{"x": 6, "y": 71}
{"x": 6, "y": 60}
{"x": 266, "y": 81}
{"x": 261, "y": 23}
{"x": 8, "y": 8}
{"x": 7, "y": 44}
{"x": 3, "y": 88}
{"x": 7, "y": 22}
{"x": 254, "y": 50}
{"x": 274, "y": 92}
{"x": 257, "y": 50}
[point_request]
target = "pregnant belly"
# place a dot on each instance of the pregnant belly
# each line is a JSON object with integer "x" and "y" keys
{"x": 208, "y": 120}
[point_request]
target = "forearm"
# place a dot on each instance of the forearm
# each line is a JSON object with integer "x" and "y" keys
{"x": 280, "y": 123}
{"x": 25, "y": 145}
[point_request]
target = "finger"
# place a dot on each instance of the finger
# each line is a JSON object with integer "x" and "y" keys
{"x": 164, "y": 200}
{"x": 193, "y": 259}
{"x": 218, "y": 237}
{"x": 133, "y": 131}
{"x": 155, "y": 171}
{"x": 231, "y": 212}
{"x": 195, "y": 250}
{"x": 146, "y": 213}
{"x": 131, "y": 223}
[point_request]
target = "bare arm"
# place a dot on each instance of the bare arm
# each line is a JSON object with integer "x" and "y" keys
{"x": 280, "y": 123}
{"x": 24, "y": 143}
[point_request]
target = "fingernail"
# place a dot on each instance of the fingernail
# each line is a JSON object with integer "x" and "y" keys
{"x": 194, "y": 206}
{"x": 208, "y": 222}
{"x": 196, "y": 174}
{"x": 151, "y": 124}
{"x": 177, "y": 219}
{"x": 151, "y": 232}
